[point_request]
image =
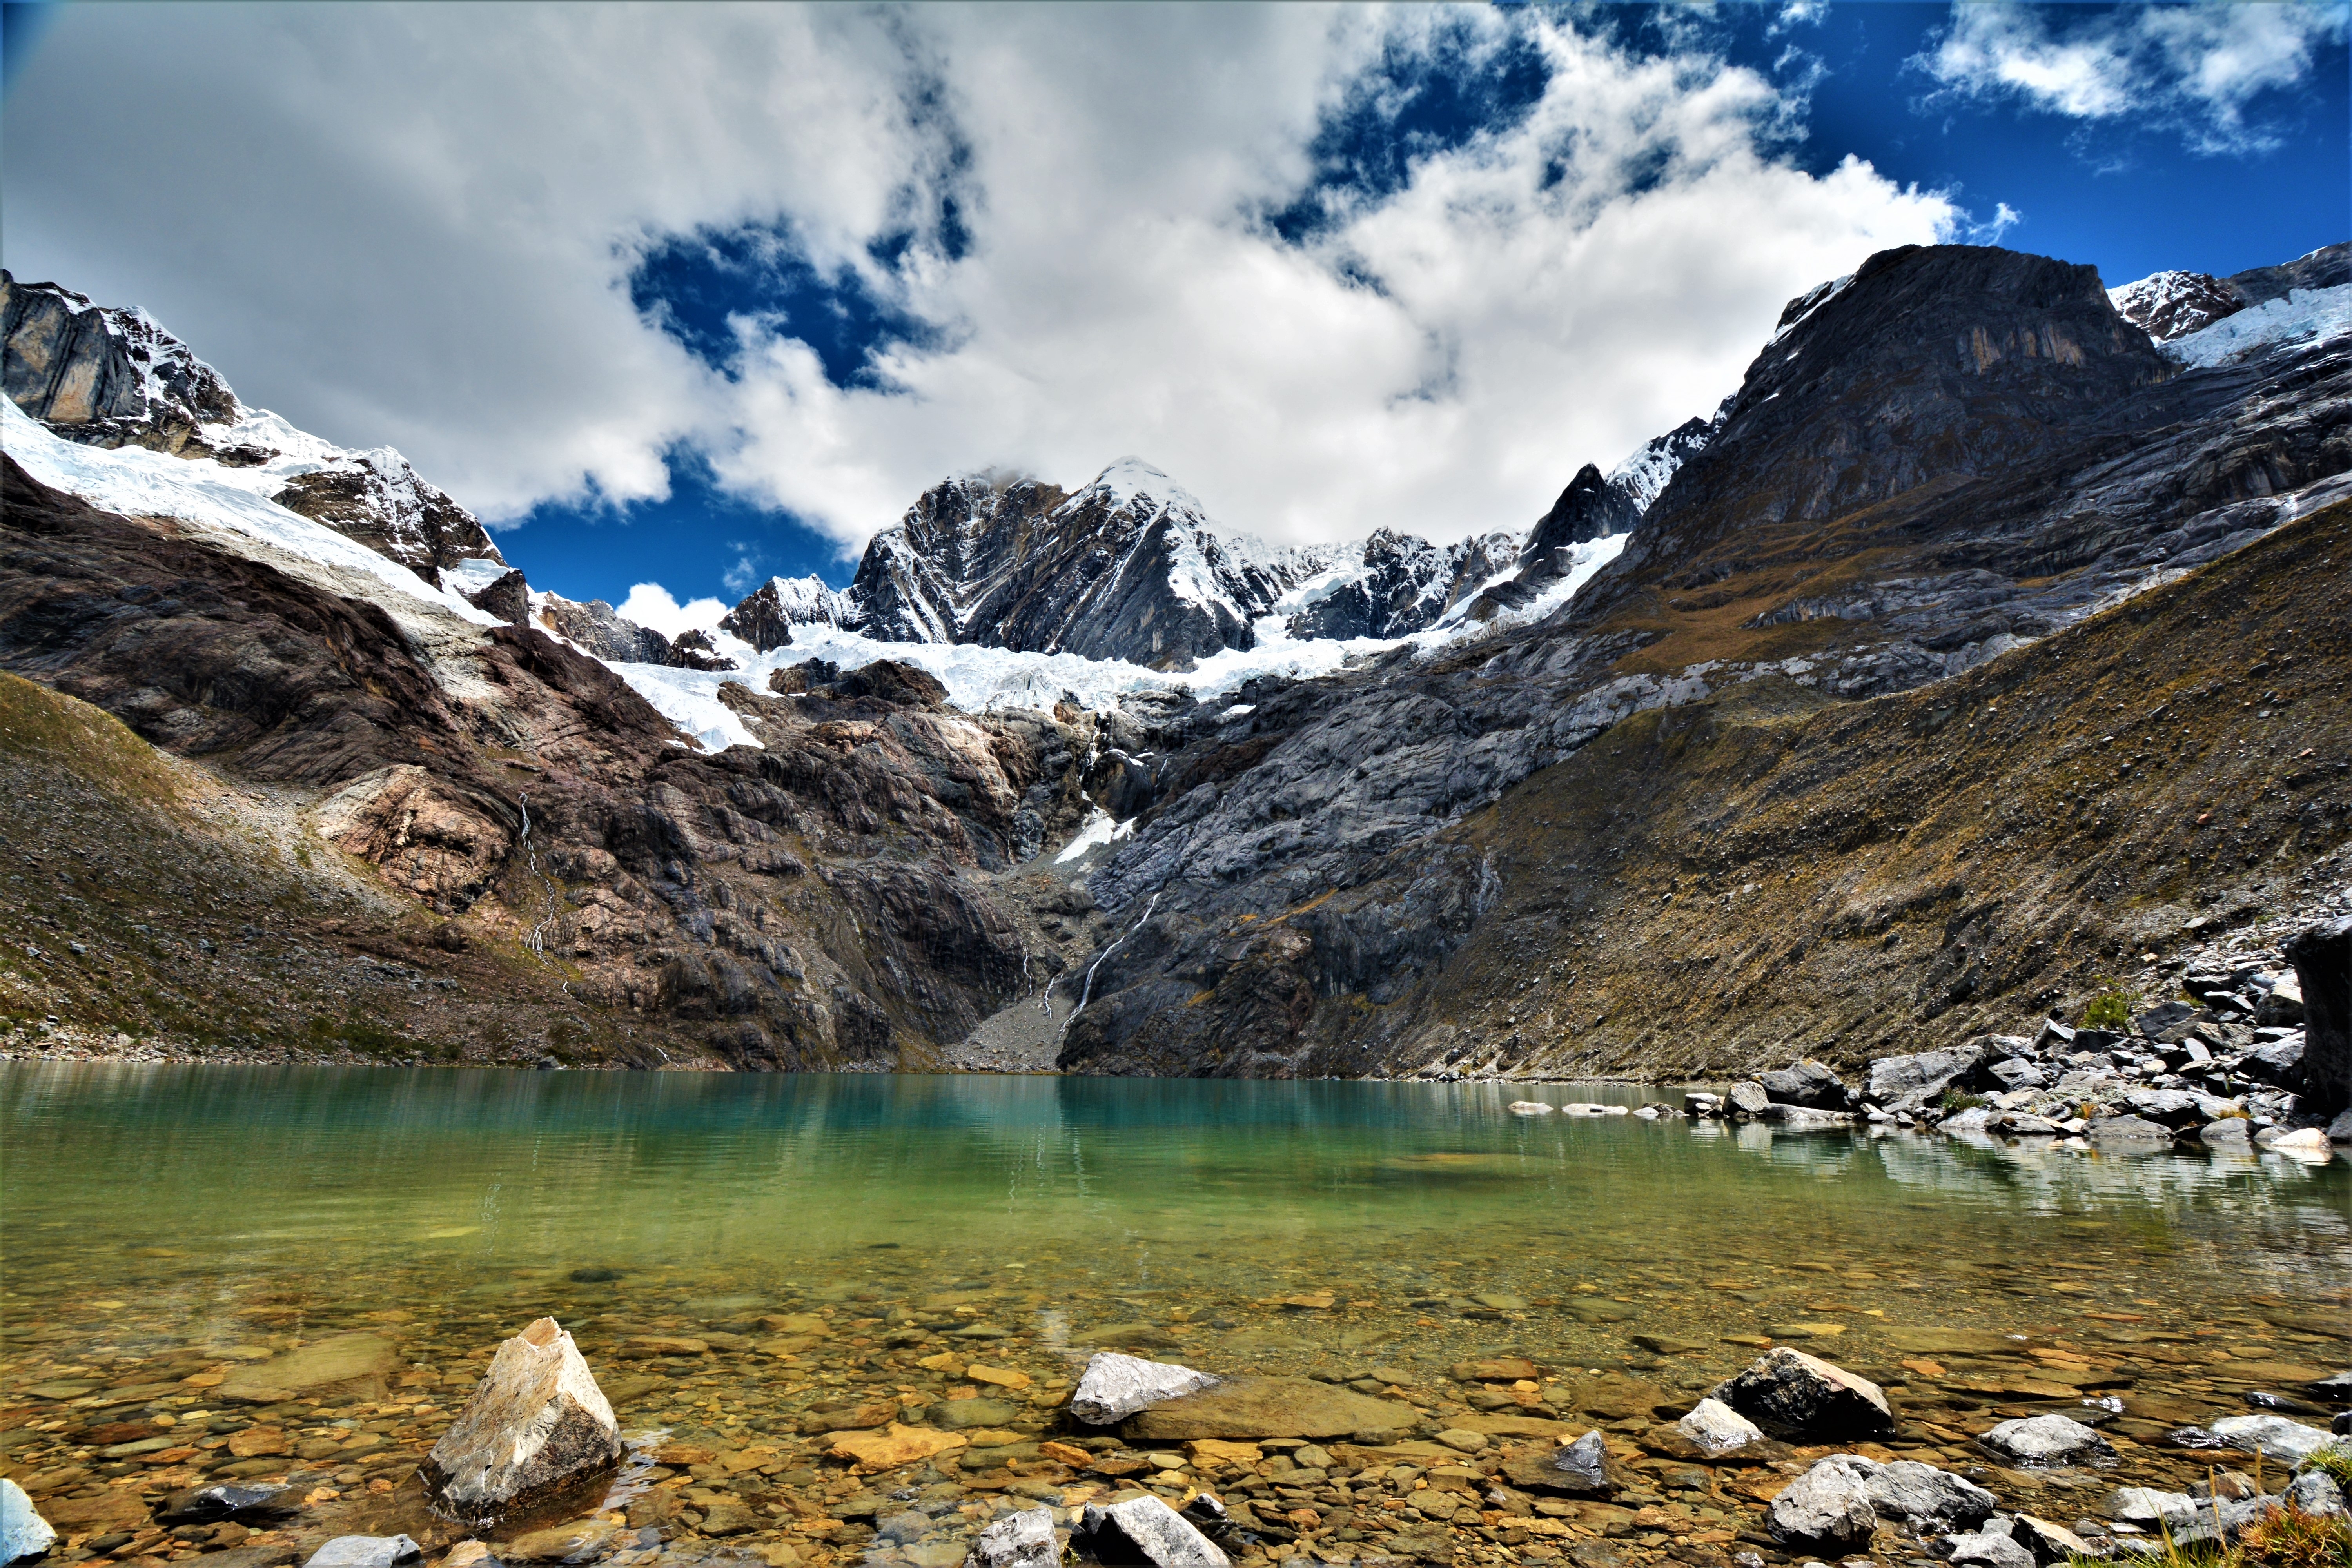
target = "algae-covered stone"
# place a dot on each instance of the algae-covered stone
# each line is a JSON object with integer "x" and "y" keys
{"x": 353, "y": 1366}
{"x": 1269, "y": 1407}
{"x": 536, "y": 1433}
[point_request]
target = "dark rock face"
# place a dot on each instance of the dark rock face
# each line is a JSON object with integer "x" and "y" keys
{"x": 1957, "y": 450}
{"x": 110, "y": 377}
{"x": 1929, "y": 364}
{"x": 1128, "y": 567}
{"x": 815, "y": 903}
{"x": 1589, "y": 508}
{"x": 508, "y": 598}
{"x": 1406, "y": 585}
{"x": 766, "y": 616}
{"x": 105, "y": 377}
{"x": 597, "y": 628}
{"x": 2322, "y": 957}
{"x": 2329, "y": 267}
{"x": 382, "y": 502}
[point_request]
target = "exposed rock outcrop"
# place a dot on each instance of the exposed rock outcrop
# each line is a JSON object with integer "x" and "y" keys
{"x": 107, "y": 377}
{"x": 2322, "y": 957}
{"x": 766, "y": 616}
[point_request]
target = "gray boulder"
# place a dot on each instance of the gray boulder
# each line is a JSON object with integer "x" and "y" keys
{"x": 1984, "y": 1549}
{"x": 2126, "y": 1130}
{"x": 2272, "y": 1436}
{"x": 1581, "y": 1469}
{"x": 1145, "y": 1530}
{"x": 366, "y": 1551}
{"x": 1023, "y": 1540}
{"x": 2322, "y": 957}
{"x": 1115, "y": 1386}
{"x": 2147, "y": 1507}
{"x": 1746, "y": 1099}
{"x": 2230, "y": 1133}
{"x": 1717, "y": 1427}
{"x": 2316, "y": 1492}
{"x": 2044, "y": 1440}
{"x": 1809, "y": 1083}
{"x": 1800, "y": 1397}
{"x": 1908, "y": 1083}
{"x": 536, "y": 1434}
{"x": 2016, "y": 1072}
{"x": 1928, "y": 1500}
{"x": 1827, "y": 1508}
{"x": 24, "y": 1533}
{"x": 2050, "y": 1544}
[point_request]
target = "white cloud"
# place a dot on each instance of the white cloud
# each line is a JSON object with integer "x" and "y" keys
{"x": 414, "y": 225}
{"x": 2198, "y": 67}
{"x": 651, "y": 604}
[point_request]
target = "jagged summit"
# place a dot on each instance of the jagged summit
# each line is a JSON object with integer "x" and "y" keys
{"x": 106, "y": 377}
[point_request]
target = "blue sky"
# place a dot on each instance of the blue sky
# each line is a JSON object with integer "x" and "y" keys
{"x": 1332, "y": 270}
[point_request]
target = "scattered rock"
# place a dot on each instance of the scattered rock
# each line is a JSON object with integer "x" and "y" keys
{"x": 2050, "y": 1543}
{"x": 246, "y": 1505}
{"x": 24, "y": 1533}
{"x": 1023, "y": 1540}
{"x": 2126, "y": 1130}
{"x": 1827, "y": 1507}
{"x": 1809, "y": 1083}
{"x": 1114, "y": 1386}
{"x": 1746, "y": 1099}
{"x": 1984, "y": 1549}
{"x": 2042, "y": 1441}
{"x": 1580, "y": 1469}
{"x": 536, "y": 1434}
{"x": 2316, "y": 1492}
{"x": 366, "y": 1551}
{"x": 892, "y": 1446}
{"x": 2147, "y": 1506}
{"x": 2272, "y": 1436}
{"x": 580, "y": 1539}
{"x": 1531, "y": 1107}
{"x": 1796, "y": 1396}
{"x": 1908, "y": 1083}
{"x": 1144, "y": 1531}
{"x": 1928, "y": 1500}
{"x": 1717, "y": 1427}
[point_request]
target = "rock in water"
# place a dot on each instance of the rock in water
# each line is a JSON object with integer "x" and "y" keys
{"x": 1023, "y": 1539}
{"x": 535, "y": 1433}
{"x": 1145, "y": 1530}
{"x": 23, "y": 1532}
{"x": 1269, "y": 1407}
{"x": 1576, "y": 1470}
{"x": 1809, "y": 1083}
{"x": 1116, "y": 1386}
{"x": 1717, "y": 1427}
{"x": 2273, "y": 1436}
{"x": 1928, "y": 1498}
{"x": 366, "y": 1551}
{"x": 1985, "y": 1549}
{"x": 2052, "y": 1440}
{"x": 1827, "y": 1507}
{"x": 1792, "y": 1394}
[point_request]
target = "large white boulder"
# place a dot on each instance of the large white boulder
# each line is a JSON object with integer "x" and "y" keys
{"x": 1115, "y": 1386}
{"x": 536, "y": 1433}
{"x": 23, "y": 1532}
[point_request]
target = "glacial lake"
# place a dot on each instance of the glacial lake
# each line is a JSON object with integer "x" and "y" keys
{"x": 160, "y": 1221}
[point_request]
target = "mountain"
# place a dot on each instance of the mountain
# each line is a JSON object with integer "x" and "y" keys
{"x": 110, "y": 377}
{"x": 2170, "y": 305}
{"x": 1977, "y": 646}
{"x": 1960, "y": 470}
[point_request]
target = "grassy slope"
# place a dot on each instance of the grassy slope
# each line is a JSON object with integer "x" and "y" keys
{"x": 1731, "y": 882}
{"x": 140, "y": 858}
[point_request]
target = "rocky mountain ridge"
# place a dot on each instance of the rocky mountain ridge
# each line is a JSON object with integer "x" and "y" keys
{"x": 1957, "y": 471}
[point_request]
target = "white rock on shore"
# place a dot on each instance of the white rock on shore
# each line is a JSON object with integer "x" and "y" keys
{"x": 536, "y": 1429}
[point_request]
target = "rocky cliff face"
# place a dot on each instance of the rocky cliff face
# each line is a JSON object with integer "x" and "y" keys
{"x": 1398, "y": 585}
{"x": 1952, "y": 454}
{"x": 834, "y": 900}
{"x": 766, "y": 616}
{"x": 109, "y": 377}
{"x": 2167, "y": 305}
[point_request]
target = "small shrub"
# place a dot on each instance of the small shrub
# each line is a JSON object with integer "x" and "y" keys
{"x": 2335, "y": 1462}
{"x": 1955, "y": 1100}
{"x": 2291, "y": 1538}
{"x": 2110, "y": 1010}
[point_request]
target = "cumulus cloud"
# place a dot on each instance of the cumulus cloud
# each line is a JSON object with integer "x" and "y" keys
{"x": 419, "y": 226}
{"x": 2198, "y": 66}
{"x": 651, "y": 604}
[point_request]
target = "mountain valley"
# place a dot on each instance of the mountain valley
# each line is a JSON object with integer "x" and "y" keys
{"x": 1983, "y": 652}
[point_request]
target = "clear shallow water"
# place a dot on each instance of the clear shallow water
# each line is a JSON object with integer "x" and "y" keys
{"x": 753, "y": 1265}
{"x": 193, "y": 1189}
